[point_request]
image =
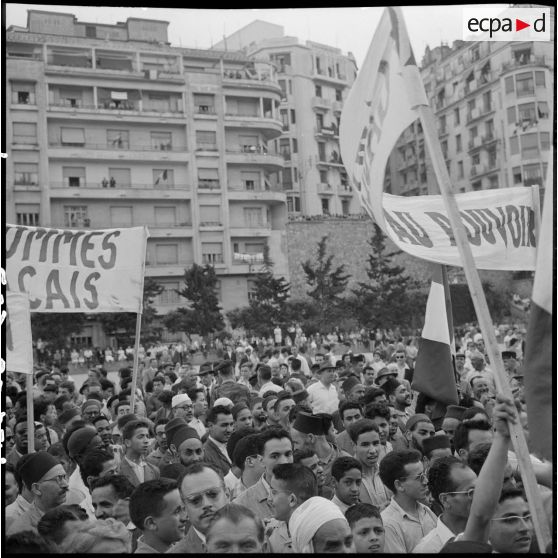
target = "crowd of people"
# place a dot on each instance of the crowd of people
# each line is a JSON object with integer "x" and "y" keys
{"x": 273, "y": 448}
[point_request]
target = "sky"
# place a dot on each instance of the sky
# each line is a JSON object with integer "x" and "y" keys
{"x": 350, "y": 29}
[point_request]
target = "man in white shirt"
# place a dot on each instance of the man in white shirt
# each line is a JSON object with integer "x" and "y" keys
{"x": 323, "y": 396}
{"x": 264, "y": 377}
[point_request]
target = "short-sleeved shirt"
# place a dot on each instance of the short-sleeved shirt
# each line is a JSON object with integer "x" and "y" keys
{"x": 435, "y": 540}
{"x": 323, "y": 399}
{"x": 403, "y": 531}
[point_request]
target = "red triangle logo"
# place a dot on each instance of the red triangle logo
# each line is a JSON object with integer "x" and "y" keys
{"x": 519, "y": 25}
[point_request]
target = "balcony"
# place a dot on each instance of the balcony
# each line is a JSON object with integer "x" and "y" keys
{"x": 269, "y": 126}
{"x": 205, "y": 110}
{"x": 474, "y": 143}
{"x": 108, "y": 150}
{"x": 325, "y": 188}
{"x": 488, "y": 138}
{"x": 98, "y": 190}
{"x": 337, "y": 106}
{"x": 176, "y": 269}
{"x": 327, "y": 131}
{"x": 332, "y": 160}
{"x": 520, "y": 64}
{"x": 209, "y": 186}
{"x": 212, "y": 225}
{"x": 251, "y": 229}
{"x": 473, "y": 114}
{"x": 252, "y": 79}
{"x": 269, "y": 192}
{"x": 321, "y": 103}
{"x": 26, "y": 186}
{"x": 344, "y": 190}
{"x": 255, "y": 155}
{"x": 178, "y": 230}
{"x": 212, "y": 259}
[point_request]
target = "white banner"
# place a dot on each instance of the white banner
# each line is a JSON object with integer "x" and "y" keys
{"x": 500, "y": 226}
{"x": 66, "y": 270}
{"x": 380, "y": 106}
{"x": 19, "y": 344}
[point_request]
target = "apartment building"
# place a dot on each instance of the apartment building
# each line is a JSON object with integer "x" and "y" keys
{"x": 315, "y": 80}
{"x": 493, "y": 102}
{"x": 111, "y": 126}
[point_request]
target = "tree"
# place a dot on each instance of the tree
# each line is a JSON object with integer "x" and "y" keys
{"x": 384, "y": 300}
{"x": 122, "y": 325}
{"x": 266, "y": 307}
{"x": 55, "y": 328}
{"x": 326, "y": 285}
{"x": 203, "y": 314}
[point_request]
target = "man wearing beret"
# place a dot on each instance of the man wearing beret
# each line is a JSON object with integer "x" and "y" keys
{"x": 323, "y": 395}
{"x": 45, "y": 477}
{"x": 309, "y": 432}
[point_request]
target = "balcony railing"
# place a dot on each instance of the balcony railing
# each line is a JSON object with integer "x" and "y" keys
{"x": 124, "y": 106}
{"x": 252, "y": 225}
{"x": 209, "y": 185}
{"x": 106, "y": 185}
{"x": 525, "y": 61}
{"x": 118, "y": 147}
{"x": 205, "y": 109}
{"x": 256, "y": 188}
{"x": 212, "y": 258}
{"x": 250, "y": 259}
{"x": 211, "y": 224}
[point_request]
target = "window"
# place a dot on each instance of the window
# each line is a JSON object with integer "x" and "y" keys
{"x": 251, "y": 285}
{"x": 76, "y": 216}
{"x": 319, "y": 121}
{"x": 293, "y": 203}
{"x": 74, "y": 177}
{"x": 283, "y": 85}
{"x": 163, "y": 178}
{"x": 287, "y": 178}
{"x": 250, "y": 180}
{"x": 473, "y": 132}
{"x": 25, "y": 132}
{"x": 529, "y": 146}
{"x": 161, "y": 141}
{"x": 293, "y": 116}
{"x": 169, "y": 294}
{"x": 325, "y": 206}
{"x": 253, "y": 217}
{"x": 545, "y": 141}
{"x": 475, "y": 159}
{"x": 208, "y": 178}
{"x": 527, "y": 112}
{"x": 284, "y": 118}
{"x": 516, "y": 173}
{"x": 443, "y": 124}
{"x": 27, "y": 214}
{"x": 321, "y": 151}
{"x": 295, "y": 172}
{"x": 295, "y": 142}
{"x": 90, "y": 31}
{"x": 165, "y": 216}
{"x": 120, "y": 178}
{"x": 72, "y": 136}
{"x": 487, "y": 101}
{"x": 511, "y": 115}
{"x": 456, "y": 116}
{"x": 525, "y": 84}
{"x": 212, "y": 252}
{"x": 460, "y": 169}
{"x": 494, "y": 183}
{"x": 345, "y": 207}
{"x": 205, "y": 104}
{"x": 532, "y": 174}
{"x": 23, "y": 93}
{"x": 121, "y": 216}
{"x": 458, "y": 146}
{"x": 248, "y": 144}
{"x": 318, "y": 90}
{"x": 539, "y": 79}
{"x": 514, "y": 145}
{"x": 489, "y": 128}
{"x": 118, "y": 139}
{"x": 542, "y": 109}
{"x": 206, "y": 140}
{"x": 210, "y": 215}
{"x": 166, "y": 254}
{"x": 26, "y": 173}
{"x": 338, "y": 95}
{"x": 509, "y": 84}
{"x": 323, "y": 176}
{"x": 477, "y": 185}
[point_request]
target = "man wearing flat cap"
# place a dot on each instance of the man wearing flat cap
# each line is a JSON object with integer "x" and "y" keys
{"x": 323, "y": 395}
{"x": 45, "y": 477}
{"x": 309, "y": 432}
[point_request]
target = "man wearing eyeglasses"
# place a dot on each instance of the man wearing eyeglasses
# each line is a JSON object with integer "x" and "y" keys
{"x": 45, "y": 477}
{"x": 405, "y": 519}
{"x": 203, "y": 492}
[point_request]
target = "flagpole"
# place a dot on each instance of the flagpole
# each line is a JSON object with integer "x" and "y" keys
{"x": 30, "y": 413}
{"x": 136, "y": 362}
{"x": 479, "y": 301}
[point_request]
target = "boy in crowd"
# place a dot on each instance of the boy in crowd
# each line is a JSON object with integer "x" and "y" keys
{"x": 367, "y": 528}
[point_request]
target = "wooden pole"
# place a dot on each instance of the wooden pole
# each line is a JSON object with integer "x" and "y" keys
{"x": 479, "y": 301}
{"x": 30, "y": 411}
{"x": 136, "y": 362}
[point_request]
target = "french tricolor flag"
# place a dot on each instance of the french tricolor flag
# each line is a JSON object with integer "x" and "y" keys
{"x": 434, "y": 371}
{"x": 537, "y": 364}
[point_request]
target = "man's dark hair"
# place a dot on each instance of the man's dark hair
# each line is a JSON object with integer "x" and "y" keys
{"x": 254, "y": 401}
{"x": 193, "y": 393}
{"x": 282, "y": 396}
{"x": 370, "y": 394}
{"x": 271, "y": 433}
{"x": 122, "y": 421}
{"x": 477, "y": 456}
{"x": 97, "y": 396}
{"x": 148, "y": 500}
{"x": 374, "y": 410}
{"x": 391, "y": 386}
{"x": 359, "y": 511}
{"x": 159, "y": 378}
{"x": 304, "y": 453}
{"x": 236, "y": 436}
{"x": 161, "y": 421}
{"x": 165, "y": 397}
{"x": 11, "y": 469}
{"x": 215, "y": 411}
{"x": 343, "y": 464}
{"x": 510, "y": 492}
{"x": 59, "y": 402}
{"x": 296, "y": 364}
{"x": 361, "y": 427}
{"x": 439, "y": 475}
{"x": 347, "y": 405}
{"x": 469, "y": 413}
{"x": 27, "y": 542}
{"x": 392, "y": 466}
{"x": 130, "y": 429}
{"x": 99, "y": 418}
{"x": 268, "y": 396}
{"x": 91, "y": 464}
{"x": 461, "y": 434}
{"x": 299, "y": 479}
{"x": 106, "y": 384}
{"x": 73, "y": 427}
{"x": 264, "y": 373}
{"x": 235, "y": 513}
{"x": 52, "y": 525}
{"x": 122, "y": 403}
{"x": 246, "y": 446}
{"x": 171, "y": 376}
{"x": 40, "y": 407}
{"x": 120, "y": 484}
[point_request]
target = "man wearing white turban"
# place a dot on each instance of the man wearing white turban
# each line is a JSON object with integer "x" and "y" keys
{"x": 317, "y": 526}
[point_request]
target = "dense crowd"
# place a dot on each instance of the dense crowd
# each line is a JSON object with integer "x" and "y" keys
{"x": 276, "y": 446}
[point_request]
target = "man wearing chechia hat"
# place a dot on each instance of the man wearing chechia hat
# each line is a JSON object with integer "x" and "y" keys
{"x": 309, "y": 432}
{"x": 45, "y": 477}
